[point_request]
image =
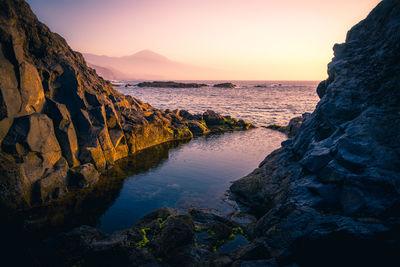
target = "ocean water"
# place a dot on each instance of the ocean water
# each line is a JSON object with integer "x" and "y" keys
{"x": 259, "y": 102}
{"x": 199, "y": 173}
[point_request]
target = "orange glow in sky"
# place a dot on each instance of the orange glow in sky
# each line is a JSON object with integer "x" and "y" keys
{"x": 249, "y": 40}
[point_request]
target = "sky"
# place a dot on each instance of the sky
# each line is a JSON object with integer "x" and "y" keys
{"x": 249, "y": 39}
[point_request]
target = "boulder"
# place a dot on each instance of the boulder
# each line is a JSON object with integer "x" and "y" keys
{"x": 32, "y": 141}
{"x": 213, "y": 118}
{"x": 33, "y": 134}
{"x": 64, "y": 130}
{"x": 32, "y": 94}
{"x": 53, "y": 184}
{"x": 83, "y": 176}
{"x": 197, "y": 128}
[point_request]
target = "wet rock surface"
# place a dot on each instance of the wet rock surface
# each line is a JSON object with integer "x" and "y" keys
{"x": 330, "y": 195}
{"x": 60, "y": 123}
{"x": 161, "y": 238}
{"x": 291, "y": 129}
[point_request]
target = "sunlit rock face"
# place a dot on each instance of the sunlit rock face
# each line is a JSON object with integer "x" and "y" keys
{"x": 332, "y": 192}
{"x": 59, "y": 121}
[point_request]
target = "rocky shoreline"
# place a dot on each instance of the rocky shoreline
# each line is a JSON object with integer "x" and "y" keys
{"x": 61, "y": 124}
{"x": 293, "y": 126}
{"x": 328, "y": 197}
{"x": 162, "y": 238}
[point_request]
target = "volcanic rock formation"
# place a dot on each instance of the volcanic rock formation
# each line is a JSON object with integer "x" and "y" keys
{"x": 331, "y": 195}
{"x": 60, "y": 123}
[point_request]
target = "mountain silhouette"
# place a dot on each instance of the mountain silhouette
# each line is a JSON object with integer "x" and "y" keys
{"x": 148, "y": 65}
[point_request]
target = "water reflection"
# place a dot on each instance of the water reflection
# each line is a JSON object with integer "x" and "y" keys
{"x": 195, "y": 175}
{"x": 22, "y": 230}
{"x": 85, "y": 206}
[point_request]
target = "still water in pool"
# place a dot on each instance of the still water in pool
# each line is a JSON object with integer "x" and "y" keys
{"x": 196, "y": 174}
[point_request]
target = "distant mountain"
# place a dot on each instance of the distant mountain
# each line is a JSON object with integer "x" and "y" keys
{"x": 107, "y": 73}
{"x": 146, "y": 64}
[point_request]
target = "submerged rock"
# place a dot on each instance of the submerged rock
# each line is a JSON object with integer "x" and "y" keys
{"x": 60, "y": 123}
{"x": 330, "y": 196}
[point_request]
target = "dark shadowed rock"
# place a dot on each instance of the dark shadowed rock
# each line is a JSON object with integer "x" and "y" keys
{"x": 198, "y": 128}
{"x": 83, "y": 176}
{"x": 161, "y": 238}
{"x": 213, "y": 118}
{"x": 330, "y": 196}
{"x": 294, "y": 125}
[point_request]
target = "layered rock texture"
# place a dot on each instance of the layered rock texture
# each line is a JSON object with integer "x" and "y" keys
{"x": 331, "y": 195}
{"x": 60, "y": 123}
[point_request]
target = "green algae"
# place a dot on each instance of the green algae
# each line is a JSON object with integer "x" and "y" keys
{"x": 145, "y": 240}
{"x": 236, "y": 230}
{"x": 161, "y": 221}
{"x": 211, "y": 232}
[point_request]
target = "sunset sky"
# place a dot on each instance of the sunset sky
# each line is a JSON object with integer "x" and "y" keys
{"x": 250, "y": 40}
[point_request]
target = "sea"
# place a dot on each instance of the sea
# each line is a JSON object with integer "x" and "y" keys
{"x": 198, "y": 173}
{"x": 259, "y": 102}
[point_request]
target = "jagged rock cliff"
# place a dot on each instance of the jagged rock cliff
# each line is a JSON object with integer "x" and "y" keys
{"x": 328, "y": 197}
{"x": 60, "y": 123}
{"x": 331, "y": 195}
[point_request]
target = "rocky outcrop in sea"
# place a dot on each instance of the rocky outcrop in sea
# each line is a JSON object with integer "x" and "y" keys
{"x": 164, "y": 84}
{"x": 61, "y": 124}
{"x": 225, "y": 85}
